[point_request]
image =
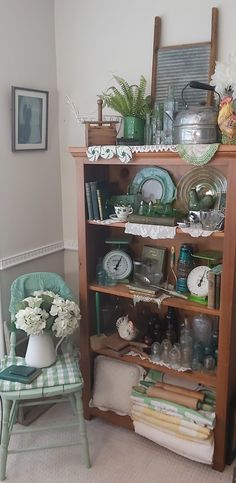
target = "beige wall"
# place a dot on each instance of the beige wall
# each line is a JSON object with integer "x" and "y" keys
{"x": 30, "y": 182}
{"x": 96, "y": 39}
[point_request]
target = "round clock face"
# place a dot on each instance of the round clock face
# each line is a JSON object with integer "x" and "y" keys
{"x": 117, "y": 264}
{"x": 197, "y": 281}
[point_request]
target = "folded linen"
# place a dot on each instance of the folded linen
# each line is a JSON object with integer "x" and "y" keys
{"x": 202, "y": 418}
{"x": 196, "y": 451}
{"x": 174, "y": 423}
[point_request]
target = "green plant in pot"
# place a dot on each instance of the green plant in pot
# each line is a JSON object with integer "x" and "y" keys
{"x": 130, "y": 101}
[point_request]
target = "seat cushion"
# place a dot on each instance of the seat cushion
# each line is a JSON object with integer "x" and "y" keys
{"x": 65, "y": 371}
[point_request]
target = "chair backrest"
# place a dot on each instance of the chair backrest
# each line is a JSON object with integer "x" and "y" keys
{"x": 25, "y": 285}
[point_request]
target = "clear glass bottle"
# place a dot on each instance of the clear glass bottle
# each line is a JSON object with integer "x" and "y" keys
{"x": 202, "y": 329}
{"x": 186, "y": 343}
{"x": 148, "y": 130}
{"x": 170, "y": 108}
{"x": 170, "y": 332}
{"x": 100, "y": 273}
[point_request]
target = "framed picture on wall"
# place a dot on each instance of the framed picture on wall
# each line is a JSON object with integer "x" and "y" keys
{"x": 29, "y": 119}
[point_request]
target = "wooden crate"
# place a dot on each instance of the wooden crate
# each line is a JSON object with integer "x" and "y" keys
{"x": 100, "y": 133}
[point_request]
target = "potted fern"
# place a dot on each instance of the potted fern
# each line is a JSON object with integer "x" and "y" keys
{"x": 130, "y": 101}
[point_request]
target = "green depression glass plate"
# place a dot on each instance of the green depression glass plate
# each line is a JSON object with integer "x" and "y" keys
{"x": 153, "y": 184}
{"x": 206, "y": 180}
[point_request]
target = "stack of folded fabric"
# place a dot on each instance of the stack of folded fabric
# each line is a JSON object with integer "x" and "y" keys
{"x": 180, "y": 419}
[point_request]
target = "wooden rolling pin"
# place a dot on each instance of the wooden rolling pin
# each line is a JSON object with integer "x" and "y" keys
{"x": 187, "y": 401}
{"x": 181, "y": 390}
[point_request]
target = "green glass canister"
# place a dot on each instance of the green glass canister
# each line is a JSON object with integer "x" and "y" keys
{"x": 134, "y": 128}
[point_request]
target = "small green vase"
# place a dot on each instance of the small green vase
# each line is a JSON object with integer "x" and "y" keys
{"x": 134, "y": 128}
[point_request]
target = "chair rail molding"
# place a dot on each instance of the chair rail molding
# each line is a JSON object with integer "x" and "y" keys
{"x": 12, "y": 260}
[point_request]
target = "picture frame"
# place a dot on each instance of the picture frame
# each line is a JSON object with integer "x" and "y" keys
{"x": 29, "y": 119}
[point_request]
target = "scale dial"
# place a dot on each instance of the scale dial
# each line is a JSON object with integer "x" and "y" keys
{"x": 197, "y": 281}
{"x": 118, "y": 264}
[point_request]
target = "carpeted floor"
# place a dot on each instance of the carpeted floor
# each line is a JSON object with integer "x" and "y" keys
{"x": 118, "y": 456}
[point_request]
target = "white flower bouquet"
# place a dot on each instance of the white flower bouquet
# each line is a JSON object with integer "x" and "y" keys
{"x": 47, "y": 312}
{"x": 224, "y": 77}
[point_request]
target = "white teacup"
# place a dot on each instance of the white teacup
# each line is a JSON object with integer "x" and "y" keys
{"x": 122, "y": 212}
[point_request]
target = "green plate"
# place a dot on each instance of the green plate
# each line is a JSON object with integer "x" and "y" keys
{"x": 153, "y": 184}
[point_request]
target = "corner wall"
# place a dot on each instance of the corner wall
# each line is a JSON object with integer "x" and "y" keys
{"x": 30, "y": 181}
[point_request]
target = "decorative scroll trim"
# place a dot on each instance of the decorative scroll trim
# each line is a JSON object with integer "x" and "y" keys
{"x": 125, "y": 153}
{"x": 157, "y": 148}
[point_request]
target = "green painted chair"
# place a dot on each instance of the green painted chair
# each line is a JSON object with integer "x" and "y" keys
{"x": 59, "y": 383}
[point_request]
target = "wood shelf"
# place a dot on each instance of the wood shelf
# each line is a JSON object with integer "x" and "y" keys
{"x": 216, "y": 234}
{"x": 178, "y": 303}
{"x": 91, "y": 241}
{"x": 206, "y": 378}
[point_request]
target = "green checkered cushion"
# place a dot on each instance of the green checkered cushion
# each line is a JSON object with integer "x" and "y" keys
{"x": 65, "y": 371}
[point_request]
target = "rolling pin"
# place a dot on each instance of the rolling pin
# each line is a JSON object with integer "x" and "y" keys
{"x": 181, "y": 390}
{"x": 187, "y": 401}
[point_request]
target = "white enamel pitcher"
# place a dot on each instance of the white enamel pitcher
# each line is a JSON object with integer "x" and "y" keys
{"x": 41, "y": 351}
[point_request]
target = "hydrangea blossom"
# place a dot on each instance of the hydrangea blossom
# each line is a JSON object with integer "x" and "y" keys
{"x": 46, "y": 311}
{"x": 31, "y": 320}
{"x": 224, "y": 77}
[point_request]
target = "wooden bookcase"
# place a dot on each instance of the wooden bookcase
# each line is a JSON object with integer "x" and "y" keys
{"x": 91, "y": 236}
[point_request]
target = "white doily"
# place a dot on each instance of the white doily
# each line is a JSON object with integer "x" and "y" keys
{"x": 152, "y": 231}
{"x": 144, "y": 298}
{"x": 196, "y": 231}
{"x": 159, "y": 363}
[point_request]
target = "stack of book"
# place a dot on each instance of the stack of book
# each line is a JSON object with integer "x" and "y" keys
{"x": 23, "y": 374}
{"x": 95, "y": 201}
{"x": 214, "y": 285}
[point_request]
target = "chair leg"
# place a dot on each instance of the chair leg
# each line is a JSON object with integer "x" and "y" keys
{"x": 83, "y": 432}
{"x": 5, "y": 437}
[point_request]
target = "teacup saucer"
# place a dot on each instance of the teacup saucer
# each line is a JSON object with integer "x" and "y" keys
{"x": 115, "y": 218}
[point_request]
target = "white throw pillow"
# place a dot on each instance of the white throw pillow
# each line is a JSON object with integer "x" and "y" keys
{"x": 113, "y": 382}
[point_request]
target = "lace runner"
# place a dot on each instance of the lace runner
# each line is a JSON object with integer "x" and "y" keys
{"x": 196, "y": 231}
{"x": 152, "y": 231}
{"x": 159, "y": 363}
{"x": 144, "y": 298}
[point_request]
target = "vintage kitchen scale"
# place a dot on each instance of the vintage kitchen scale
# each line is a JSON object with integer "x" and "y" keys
{"x": 197, "y": 280}
{"x": 117, "y": 262}
{"x": 100, "y": 132}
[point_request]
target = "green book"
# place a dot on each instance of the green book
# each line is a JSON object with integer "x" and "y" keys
{"x": 23, "y": 374}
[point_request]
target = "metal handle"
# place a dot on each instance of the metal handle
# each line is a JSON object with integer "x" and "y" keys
{"x": 197, "y": 85}
{"x": 201, "y": 85}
